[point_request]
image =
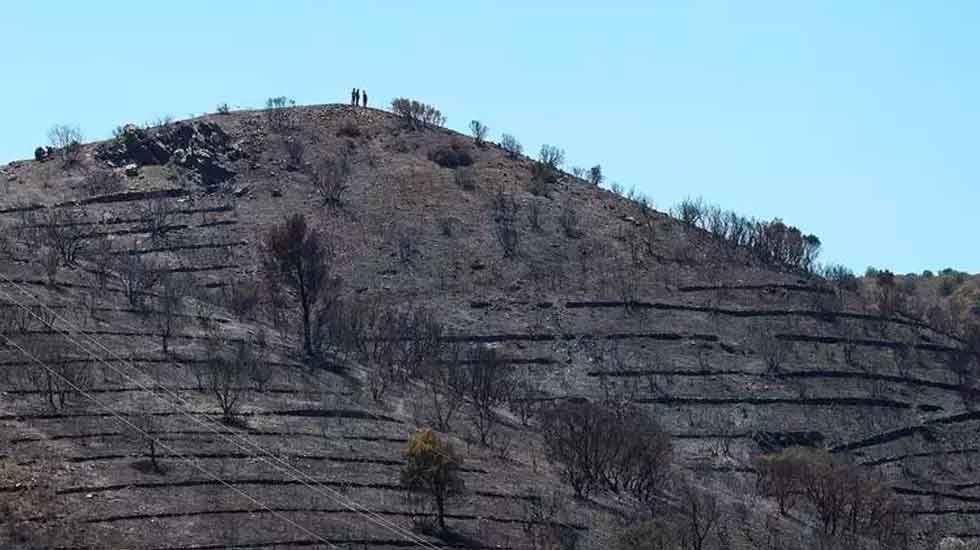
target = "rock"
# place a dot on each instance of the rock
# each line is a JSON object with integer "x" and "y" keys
{"x": 132, "y": 170}
{"x": 243, "y": 190}
{"x": 276, "y": 192}
{"x": 477, "y": 265}
{"x": 41, "y": 154}
{"x": 202, "y": 147}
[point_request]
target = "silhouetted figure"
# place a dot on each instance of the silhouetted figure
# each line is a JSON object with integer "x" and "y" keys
{"x": 364, "y": 98}
{"x": 353, "y": 92}
{"x": 357, "y": 96}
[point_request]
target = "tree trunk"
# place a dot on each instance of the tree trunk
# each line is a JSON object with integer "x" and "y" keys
{"x": 307, "y": 340}
{"x": 441, "y": 512}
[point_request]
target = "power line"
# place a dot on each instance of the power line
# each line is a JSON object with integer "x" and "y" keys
{"x": 286, "y": 468}
{"x": 142, "y": 432}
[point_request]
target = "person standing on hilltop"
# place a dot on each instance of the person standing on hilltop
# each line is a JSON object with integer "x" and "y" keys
{"x": 357, "y": 96}
{"x": 364, "y": 98}
{"x": 353, "y": 95}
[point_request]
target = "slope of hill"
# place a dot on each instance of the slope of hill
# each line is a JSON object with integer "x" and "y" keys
{"x": 584, "y": 294}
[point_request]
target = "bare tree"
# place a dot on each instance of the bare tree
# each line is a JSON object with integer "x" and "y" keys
{"x": 67, "y": 140}
{"x": 277, "y": 112}
{"x": 525, "y": 397}
{"x": 701, "y": 513}
{"x": 479, "y": 131}
{"x": 102, "y": 259}
{"x": 510, "y": 144}
{"x": 488, "y": 386}
{"x": 595, "y": 175}
{"x": 295, "y": 255}
{"x": 68, "y": 231}
{"x": 445, "y": 384}
{"x": 551, "y": 156}
{"x": 143, "y": 430}
{"x": 616, "y": 448}
{"x": 226, "y": 375}
{"x": 157, "y": 218}
{"x": 61, "y": 378}
{"x": 170, "y": 317}
{"x": 138, "y": 277}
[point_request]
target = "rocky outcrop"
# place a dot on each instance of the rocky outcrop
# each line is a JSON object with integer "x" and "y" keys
{"x": 203, "y": 148}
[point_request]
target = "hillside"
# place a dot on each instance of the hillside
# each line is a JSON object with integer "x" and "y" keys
{"x": 582, "y": 293}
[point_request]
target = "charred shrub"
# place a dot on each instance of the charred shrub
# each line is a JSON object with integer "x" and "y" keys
{"x": 349, "y": 129}
{"x": 451, "y": 156}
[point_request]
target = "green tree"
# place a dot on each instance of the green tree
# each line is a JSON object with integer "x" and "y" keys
{"x": 432, "y": 469}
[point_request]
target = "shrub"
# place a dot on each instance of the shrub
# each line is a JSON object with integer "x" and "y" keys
{"x": 947, "y": 286}
{"x": 223, "y": 109}
{"x": 331, "y": 178}
{"x": 102, "y": 182}
{"x": 649, "y": 535}
{"x": 451, "y": 156}
{"x": 534, "y": 215}
{"x": 543, "y": 526}
{"x": 510, "y": 144}
{"x": 295, "y": 152}
{"x": 505, "y": 211}
{"x": 539, "y": 187}
{"x": 416, "y": 114}
{"x": 466, "y": 178}
{"x": 568, "y": 220}
{"x": 348, "y": 128}
{"x": 241, "y": 297}
{"x": 432, "y": 469}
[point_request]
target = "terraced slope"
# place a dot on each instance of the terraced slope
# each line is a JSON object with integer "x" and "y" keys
{"x": 603, "y": 298}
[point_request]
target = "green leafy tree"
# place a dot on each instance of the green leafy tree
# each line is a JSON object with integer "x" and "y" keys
{"x": 432, "y": 469}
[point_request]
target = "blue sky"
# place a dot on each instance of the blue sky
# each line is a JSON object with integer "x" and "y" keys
{"x": 855, "y": 121}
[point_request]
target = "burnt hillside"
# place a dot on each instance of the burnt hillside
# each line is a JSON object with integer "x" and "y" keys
{"x": 115, "y": 434}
